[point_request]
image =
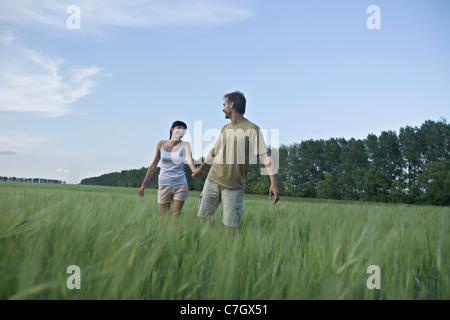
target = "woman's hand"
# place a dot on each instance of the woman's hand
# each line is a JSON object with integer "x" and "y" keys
{"x": 197, "y": 172}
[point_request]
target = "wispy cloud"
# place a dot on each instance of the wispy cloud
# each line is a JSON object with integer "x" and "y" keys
{"x": 13, "y": 141}
{"x": 7, "y": 153}
{"x": 33, "y": 82}
{"x": 99, "y": 14}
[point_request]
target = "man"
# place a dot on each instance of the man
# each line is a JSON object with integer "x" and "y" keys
{"x": 237, "y": 147}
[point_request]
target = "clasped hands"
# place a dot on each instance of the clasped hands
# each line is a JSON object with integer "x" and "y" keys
{"x": 196, "y": 173}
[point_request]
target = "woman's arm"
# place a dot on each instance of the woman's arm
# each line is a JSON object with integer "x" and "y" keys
{"x": 151, "y": 169}
{"x": 188, "y": 153}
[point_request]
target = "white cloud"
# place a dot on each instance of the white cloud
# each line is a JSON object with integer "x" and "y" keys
{"x": 98, "y": 14}
{"x": 32, "y": 82}
{"x": 59, "y": 170}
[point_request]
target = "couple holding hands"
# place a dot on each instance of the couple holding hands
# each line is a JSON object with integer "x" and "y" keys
{"x": 239, "y": 141}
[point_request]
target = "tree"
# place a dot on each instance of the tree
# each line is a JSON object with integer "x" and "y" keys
{"x": 283, "y": 164}
{"x": 329, "y": 188}
{"x": 374, "y": 185}
{"x": 436, "y": 140}
{"x": 332, "y": 150}
{"x": 386, "y": 166}
{"x": 310, "y": 165}
{"x": 412, "y": 149}
{"x": 435, "y": 181}
{"x": 353, "y": 160}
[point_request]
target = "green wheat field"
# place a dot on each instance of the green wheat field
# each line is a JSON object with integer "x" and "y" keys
{"x": 297, "y": 249}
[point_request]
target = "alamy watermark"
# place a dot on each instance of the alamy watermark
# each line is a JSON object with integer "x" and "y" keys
{"x": 74, "y": 20}
{"x": 74, "y": 281}
{"x": 374, "y": 21}
{"x": 240, "y": 153}
{"x": 234, "y": 146}
{"x": 374, "y": 281}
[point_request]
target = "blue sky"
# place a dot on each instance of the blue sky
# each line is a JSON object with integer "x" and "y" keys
{"x": 76, "y": 103}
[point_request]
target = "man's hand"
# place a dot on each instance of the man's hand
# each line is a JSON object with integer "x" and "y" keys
{"x": 141, "y": 191}
{"x": 273, "y": 190}
{"x": 197, "y": 172}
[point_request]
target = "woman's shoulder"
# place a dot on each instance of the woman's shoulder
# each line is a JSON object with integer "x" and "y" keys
{"x": 186, "y": 145}
{"x": 160, "y": 144}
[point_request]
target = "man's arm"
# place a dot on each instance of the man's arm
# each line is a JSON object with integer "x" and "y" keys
{"x": 208, "y": 160}
{"x": 273, "y": 190}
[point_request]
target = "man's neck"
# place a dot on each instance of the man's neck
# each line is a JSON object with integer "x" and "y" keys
{"x": 236, "y": 117}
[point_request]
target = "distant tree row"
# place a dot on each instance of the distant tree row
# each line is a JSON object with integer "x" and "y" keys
{"x": 411, "y": 167}
{"x": 133, "y": 178}
{"x": 31, "y": 180}
{"x": 126, "y": 178}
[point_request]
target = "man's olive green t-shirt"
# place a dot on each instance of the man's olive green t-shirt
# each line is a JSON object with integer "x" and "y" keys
{"x": 237, "y": 147}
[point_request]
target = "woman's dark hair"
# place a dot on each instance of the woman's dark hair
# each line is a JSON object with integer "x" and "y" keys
{"x": 177, "y": 124}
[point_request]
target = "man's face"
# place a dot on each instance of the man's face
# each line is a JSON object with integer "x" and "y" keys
{"x": 227, "y": 108}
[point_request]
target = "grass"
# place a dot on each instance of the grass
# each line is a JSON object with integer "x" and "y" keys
{"x": 290, "y": 251}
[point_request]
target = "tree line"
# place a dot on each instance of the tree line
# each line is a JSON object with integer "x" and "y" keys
{"x": 31, "y": 180}
{"x": 411, "y": 167}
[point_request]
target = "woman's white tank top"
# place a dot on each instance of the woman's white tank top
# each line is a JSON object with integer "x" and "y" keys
{"x": 171, "y": 163}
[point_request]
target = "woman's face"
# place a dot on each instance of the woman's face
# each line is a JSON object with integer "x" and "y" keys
{"x": 178, "y": 132}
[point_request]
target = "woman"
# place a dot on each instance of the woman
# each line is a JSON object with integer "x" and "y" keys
{"x": 172, "y": 183}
